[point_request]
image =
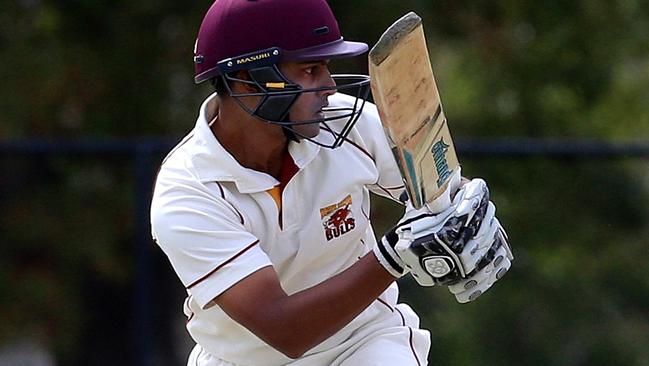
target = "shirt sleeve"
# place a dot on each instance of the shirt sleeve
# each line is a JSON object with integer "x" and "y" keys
{"x": 390, "y": 183}
{"x": 204, "y": 238}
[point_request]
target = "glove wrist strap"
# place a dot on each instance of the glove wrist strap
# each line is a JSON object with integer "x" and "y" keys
{"x": 387, "y": 259}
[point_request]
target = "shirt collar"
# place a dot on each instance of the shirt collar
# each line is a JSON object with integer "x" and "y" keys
{"x": 214, "y": 163}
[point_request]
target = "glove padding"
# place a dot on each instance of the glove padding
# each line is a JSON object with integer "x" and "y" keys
{"x": 384, "y": 250}
{"x": 469, "y": 289}
{"x": 463, "y": 246}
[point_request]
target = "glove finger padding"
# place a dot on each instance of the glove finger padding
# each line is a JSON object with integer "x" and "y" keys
{"x": 479, "y": 282}
{"x": 479, "y": 245}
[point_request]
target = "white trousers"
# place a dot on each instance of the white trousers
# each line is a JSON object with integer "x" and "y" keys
{"x": 399, "y": 342}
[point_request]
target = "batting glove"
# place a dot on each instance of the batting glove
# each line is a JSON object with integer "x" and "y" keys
{"x": 384, "y": 250}
{"x": 464, "y": 246}
{"x": 476, "y": 284}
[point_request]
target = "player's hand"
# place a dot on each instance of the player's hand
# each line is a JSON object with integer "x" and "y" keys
{"x": 385, "y": 248}
{"x": 464, "y": 246}
{"x": 470, "y": 288}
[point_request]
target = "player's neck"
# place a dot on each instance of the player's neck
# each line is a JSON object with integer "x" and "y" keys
{"x": 254, "y": 143}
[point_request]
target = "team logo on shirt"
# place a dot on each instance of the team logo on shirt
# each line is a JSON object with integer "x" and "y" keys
{"x": 337, "y": 218}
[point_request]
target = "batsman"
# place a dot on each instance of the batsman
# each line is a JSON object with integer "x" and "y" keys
{"x": 263, "y": 209}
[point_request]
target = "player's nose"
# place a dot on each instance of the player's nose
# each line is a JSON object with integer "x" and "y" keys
{"x": 328, "y": 81}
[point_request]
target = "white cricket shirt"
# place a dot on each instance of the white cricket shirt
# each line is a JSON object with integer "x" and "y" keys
{"x": 217, "y": 223}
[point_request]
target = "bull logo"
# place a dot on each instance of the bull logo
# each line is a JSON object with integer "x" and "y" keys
{"x": 337, "y": 219}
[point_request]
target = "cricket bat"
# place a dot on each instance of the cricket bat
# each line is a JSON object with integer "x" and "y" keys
{"x": 410, "y": 109}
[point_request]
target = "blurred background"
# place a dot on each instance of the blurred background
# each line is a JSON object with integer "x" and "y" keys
{"x": 548, "y": 101}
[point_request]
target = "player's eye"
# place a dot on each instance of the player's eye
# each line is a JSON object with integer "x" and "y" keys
{"x": 310, "y": 70}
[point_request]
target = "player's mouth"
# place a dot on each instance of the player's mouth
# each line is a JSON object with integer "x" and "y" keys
{"x": 320, "y": 111}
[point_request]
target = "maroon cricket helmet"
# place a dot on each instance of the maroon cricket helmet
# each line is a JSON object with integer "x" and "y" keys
{"x": 302, "y": 30}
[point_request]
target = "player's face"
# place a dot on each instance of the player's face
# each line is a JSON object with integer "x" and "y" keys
{"x": 309, "y": 105}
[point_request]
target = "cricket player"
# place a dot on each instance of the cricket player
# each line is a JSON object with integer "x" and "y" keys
{"x": 263, "y": 209}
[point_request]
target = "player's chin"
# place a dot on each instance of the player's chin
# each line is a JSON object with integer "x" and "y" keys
{"x": 310, "y": 130}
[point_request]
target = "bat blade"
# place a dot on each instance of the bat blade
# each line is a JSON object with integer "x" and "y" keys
{"x": 407, "y": 98}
